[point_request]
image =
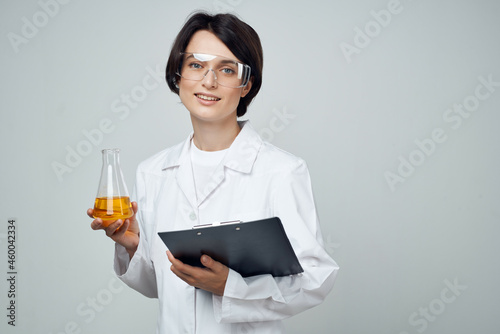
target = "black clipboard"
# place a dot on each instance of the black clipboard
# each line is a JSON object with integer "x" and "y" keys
{"x": 249, "y": 248}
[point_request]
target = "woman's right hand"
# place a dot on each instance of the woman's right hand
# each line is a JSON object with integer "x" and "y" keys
{"x": 123, "y": 232}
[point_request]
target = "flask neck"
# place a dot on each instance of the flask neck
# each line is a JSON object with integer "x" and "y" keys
{"x": 111, "y": 157}
{"x": 112, "y": 183}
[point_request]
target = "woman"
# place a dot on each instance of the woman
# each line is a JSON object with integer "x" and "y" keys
{"x": 223, "y": 171}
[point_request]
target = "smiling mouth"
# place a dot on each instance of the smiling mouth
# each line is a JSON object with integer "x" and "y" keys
{"x": 207, "y": 98}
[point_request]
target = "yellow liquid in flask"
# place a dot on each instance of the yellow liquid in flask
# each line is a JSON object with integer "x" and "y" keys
{"x": 111, "y": 209}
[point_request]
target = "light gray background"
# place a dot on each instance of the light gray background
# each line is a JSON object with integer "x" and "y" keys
{"x": 353, "y": 120}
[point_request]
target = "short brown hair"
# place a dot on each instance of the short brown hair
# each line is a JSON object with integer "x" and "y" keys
{"x": 238, "y": 36}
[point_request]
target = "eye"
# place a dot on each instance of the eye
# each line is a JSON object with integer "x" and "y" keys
{"x": 195, "y": 66}
{"x": 228, "y": 71}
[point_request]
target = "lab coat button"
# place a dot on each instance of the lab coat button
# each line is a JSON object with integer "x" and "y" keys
{"x": 192, "y": 216}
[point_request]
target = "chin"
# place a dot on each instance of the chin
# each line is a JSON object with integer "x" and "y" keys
{"x": 211, "y": 117}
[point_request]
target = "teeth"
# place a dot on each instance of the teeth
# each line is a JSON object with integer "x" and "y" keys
{"x": 208, "y": 98}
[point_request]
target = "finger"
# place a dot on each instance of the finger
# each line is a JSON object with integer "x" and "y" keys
{"x": 173, "y": 260}
{"x": 207, "y": 261}
{"x": 170, "y": 257}
{"x": 179, "y": 268}
{"x": 96, "y": 224}
{"x": 179, "y": 271}
{"x": 122, "y": 229}
{"x": 181, "y": 274}
{"x": 135, "y": 207}
{"x": 211, "y": 264}
{"x": 111, "y": 229}
{"x": 90, "y": 213}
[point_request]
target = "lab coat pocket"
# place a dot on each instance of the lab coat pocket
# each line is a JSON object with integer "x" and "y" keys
{"x": 157, "y": 248}
{"x": 159, "y": 253}
{"x": 151, "y": 238}
{"x": 147, "y": 219}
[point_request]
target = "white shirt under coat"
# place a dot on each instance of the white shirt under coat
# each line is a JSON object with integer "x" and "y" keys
{"x": 255, "y": 180}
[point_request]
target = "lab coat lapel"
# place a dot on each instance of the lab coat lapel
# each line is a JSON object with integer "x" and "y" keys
{"x": 215, "y": 181}
{"x": 240, "y": 158}
{"x": 185, "y": 181}
{"x": 184, "y": 173}
{"x": 243, "y": 152}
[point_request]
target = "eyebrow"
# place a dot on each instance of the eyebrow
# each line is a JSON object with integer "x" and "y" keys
{"x": 223, "y": 59}
{"x": 228, "y": 61}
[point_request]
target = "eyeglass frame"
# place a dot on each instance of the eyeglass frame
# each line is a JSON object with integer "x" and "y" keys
{"x": 245, "y": 80}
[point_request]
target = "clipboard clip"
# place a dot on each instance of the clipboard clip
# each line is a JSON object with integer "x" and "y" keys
{"x": 217, "y": 224}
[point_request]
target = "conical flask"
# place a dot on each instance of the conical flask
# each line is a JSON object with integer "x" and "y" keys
{"x": 112, "y": 201}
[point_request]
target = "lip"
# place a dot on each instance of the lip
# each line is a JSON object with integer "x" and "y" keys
{"x": 214, "y": 99}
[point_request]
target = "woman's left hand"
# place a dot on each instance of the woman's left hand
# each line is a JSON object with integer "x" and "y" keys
{"x": 212, "y": 278}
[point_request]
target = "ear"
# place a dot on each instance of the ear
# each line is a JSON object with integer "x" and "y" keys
{"x": 247, "y": 88}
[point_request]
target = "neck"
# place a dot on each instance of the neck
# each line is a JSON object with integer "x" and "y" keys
{"x": 215, "y": 136}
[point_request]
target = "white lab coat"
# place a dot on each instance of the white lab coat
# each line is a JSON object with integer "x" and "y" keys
{"x": 255, "y": 180}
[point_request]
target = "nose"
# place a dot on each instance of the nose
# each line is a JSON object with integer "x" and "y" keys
{"x": 210, "y": 80}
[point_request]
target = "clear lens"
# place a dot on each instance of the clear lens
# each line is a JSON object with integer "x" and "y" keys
{"x": 227, "y": 72}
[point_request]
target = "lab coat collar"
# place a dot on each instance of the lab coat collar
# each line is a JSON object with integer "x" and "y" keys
{"x": 244, "y": 149}
{"x": 240, "y": 156}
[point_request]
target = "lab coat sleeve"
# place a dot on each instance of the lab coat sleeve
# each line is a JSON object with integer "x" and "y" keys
{"x": 265, "y": 298}
{"x": 138, "y": 272}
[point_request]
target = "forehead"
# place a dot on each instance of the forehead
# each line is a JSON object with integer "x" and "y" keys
{"x": 204, "y": 41}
